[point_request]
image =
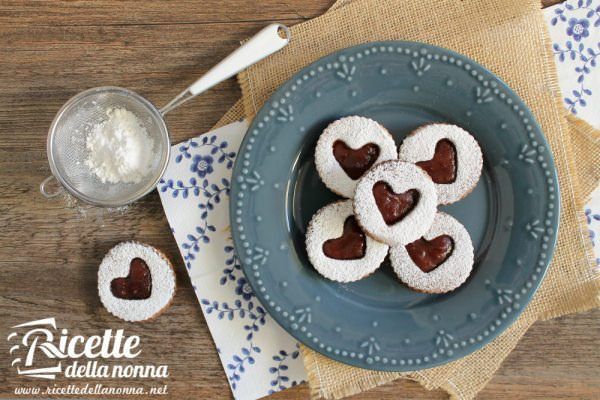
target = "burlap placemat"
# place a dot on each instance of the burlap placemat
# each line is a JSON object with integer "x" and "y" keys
{"x": 509, "y": 38}
{"x": 586, "y": 141}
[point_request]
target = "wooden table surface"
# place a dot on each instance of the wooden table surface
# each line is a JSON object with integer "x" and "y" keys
{"x": 50, "y": 250}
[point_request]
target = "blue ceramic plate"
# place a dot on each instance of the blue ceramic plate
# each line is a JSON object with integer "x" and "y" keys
{"x": 512, "y": 215}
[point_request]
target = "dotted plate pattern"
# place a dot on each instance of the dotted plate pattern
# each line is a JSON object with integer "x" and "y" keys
{"x": 265, "y": 195}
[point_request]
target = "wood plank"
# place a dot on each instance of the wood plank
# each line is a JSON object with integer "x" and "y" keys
{"x": 132, "y": 12}
{"x": 548, "y": 3}
{"x": 54, "y": 63}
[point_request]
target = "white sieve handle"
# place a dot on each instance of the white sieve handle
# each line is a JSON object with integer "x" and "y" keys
{"x": 266, "y": 42}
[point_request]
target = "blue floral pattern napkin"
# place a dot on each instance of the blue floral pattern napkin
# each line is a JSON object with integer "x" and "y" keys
{"x": 575, "y": 32}
{"x": 260, "y": 358}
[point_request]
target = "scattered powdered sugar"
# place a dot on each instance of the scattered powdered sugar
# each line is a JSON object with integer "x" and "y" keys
{"x": 451, "y": 273}
{"x": 401, "y": 176}
{"x": 116, "y": 265}
{"x": 356, "y": 132}
{"x": 85, "y": 210}
{"x": 328, "y": 223}
{"x": 119, "y": 148}
{"x": 420, "y": 146}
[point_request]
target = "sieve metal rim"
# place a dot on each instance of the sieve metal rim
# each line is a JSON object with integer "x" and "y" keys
{"x": 78, "y": 97}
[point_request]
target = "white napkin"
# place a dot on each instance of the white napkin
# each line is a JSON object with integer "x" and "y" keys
{"x": 258, "y": 356}
{"x": 575, "y": 32}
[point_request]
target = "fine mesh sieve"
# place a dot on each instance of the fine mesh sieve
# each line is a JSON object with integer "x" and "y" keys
{"x": 68, "y": 133}
{"x": 67, "y": 145}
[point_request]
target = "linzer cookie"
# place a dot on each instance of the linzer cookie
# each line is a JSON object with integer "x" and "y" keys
{"x": 136, "y": 282}
{"x": 395, "y": 202}
{"x": 449, "y": 154}
{"x": 347, "y": 148}
{"x": 438, "y": 262}
{"x": 338, "y": 248}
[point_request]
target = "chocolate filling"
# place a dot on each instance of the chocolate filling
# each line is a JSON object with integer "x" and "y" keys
{"x": 135, "y": 286}
{"x": 442, "y": 167}
{"x": 355, "y": 162}
{"x": 352, "y": 245}
{"x": 430, "y": 254}
{"x": 393, "y": 207}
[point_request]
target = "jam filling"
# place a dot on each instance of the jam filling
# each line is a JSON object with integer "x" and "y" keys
{"x": 355, "y": 162}
{"x": 442, "y": 167}
{"x": 394, "y": 207}
{"x": 430, "y": 254}
{"x": 352, "y": 245}
{"x": 135, "y": 286}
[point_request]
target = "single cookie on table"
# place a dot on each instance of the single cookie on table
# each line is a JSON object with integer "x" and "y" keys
{"x": 347, "y": 148}
{"x": 338, "y": 248}
{"x": 449, "y": 154}
{"x": 136, "y": 282}
{"x": 438, "y": 262}
{"x": 395, "y": 202}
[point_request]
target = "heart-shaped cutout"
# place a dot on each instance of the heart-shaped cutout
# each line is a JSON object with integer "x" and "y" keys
{"x": 355, "y": 162}
{"x": 392, "y": 206}
{"x": 430, "y": 254}
{"x": 352, "y": 245}
{"x": 442, "y": 167}
{"x": 135, "y": 286}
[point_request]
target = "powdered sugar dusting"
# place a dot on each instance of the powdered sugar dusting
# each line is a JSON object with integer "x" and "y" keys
{"x": 420, "y": 146}
{"x": 328, "y": 223}
{"x": 401, "y": 176}
{"x": 119, "y": 148}
{"x": 356, "y": 132}
{"x": 451, "y": 273}
{"x": 116, "y": 265}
